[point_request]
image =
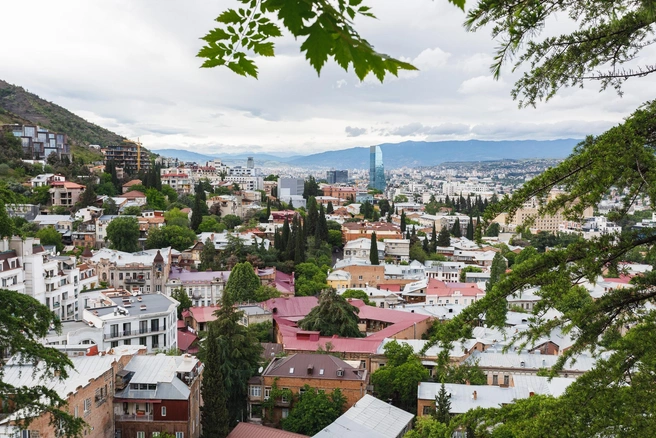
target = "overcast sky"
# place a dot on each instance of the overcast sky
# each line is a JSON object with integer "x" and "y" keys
{"x": 130, "y": 66}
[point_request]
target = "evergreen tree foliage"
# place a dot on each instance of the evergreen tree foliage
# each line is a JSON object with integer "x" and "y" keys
{"x": 470, "y": 229}
{"x": 433, "y": 242}
{"x": 23, "y": 323}
{"x": 455, "y": 230}
{"x": 242, "y": 283}
{"x": 330, "y": 209}
{"x": 311, "y": 188}
{"x": 215, "y": 418}
{"x": 197, "y": 211}
{"x": 50, "y": 236}
{"x": 237, "y": 357}
{"x": 444, "y": 238}
{"x": 403, "y": 227}
{"x": 373, "y": 250}
{"x": 312, "y": 217}
{"x": 442, "y": 406}
{"x": 208, "y": 257}
{"x": 497, "y": 270}
{"x": 425, "y": 245}
{"x": 333, "y": 316}
{"x": 322, "y": 226}
{"x": 493, "y": 230}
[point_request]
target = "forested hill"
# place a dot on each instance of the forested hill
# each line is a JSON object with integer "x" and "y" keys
{"x": 20, "y": 106}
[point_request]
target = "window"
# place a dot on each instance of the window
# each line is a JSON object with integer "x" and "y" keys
{"x": 285, "y": 412}
{"x": 155, "y": 434}
{"x": 142, "y": 341}
{"x": 141, "y": 434}
{"x": 127, "y": 342}
{"x": 427, "y": 410}
{"x": 267, "y": 393}
{"x": 506, "y": 380}
{"x": 155, "y": 341}
{"x": 283, "y": 398}
{"x": 87, "y": 405}
{"x": 75, "y": 414}
{"x": 179, "y": 435}
{"x": 256, "y": 391}
{"x": 495, "y": 379}
{"x": 163, "y": 411}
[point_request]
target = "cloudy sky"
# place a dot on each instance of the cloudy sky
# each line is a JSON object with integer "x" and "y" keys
{"x": 130, "y": 66}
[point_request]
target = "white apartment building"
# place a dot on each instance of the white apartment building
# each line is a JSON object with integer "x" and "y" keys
{"x": 448, "y": 272}
{"x": 134, "y": 319}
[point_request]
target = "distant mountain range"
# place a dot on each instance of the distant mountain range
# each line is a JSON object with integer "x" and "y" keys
{"x": 406, "y": 154}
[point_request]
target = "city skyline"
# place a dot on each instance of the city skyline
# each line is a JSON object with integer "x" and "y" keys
{"x": 140, "y": 78}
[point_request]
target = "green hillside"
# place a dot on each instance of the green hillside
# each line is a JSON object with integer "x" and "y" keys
{"x": 20, "y": 106}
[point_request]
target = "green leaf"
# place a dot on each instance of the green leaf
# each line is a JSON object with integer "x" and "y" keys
{"x": 459, "y": 3}
{"x": 270, "y": 29}
{"x": 229, "y": 16}
{"x": 216, "y": 35}
{"x": 264, "y": 49}
{"x": 317, "y": 46}
{"x": 248, "y": 67}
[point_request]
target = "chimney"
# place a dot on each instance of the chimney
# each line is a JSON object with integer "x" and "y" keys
{"x": 474, "y": 395}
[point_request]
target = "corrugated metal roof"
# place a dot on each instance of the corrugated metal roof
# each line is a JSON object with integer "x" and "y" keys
{"x": 249, "y": 430}
{"x": 323, "y": 366}
{"x": 369, "y": 417}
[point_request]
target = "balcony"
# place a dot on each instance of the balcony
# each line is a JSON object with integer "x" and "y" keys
{"x": 131, "y": 333}
{"x": 56, "y": 305}
{"x": 134, "y": 417}
{"x": 132, "y": 280}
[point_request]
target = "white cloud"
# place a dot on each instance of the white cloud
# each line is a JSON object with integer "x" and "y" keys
{"x": 131, "y": 67}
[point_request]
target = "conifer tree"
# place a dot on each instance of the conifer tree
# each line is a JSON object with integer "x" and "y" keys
{"x": 442, "y": 406}
{"x": 433, "y": 245}
{"x": 214, "y": 412}
{"x": 197, "y": 212}
{"x": 312, "y": 216}
{"x": 373, "y": 250}
{"x": 284, "y": 238}
{"x": 321, "y": 234}
{"x": 424, "y": 245}
{"x": 470, "y": 229}
{"x": 268, "y": 210}
{"x": 444, "y": 239}
{"x": 330, "y": 209}
{"x": 403, "y": 227}
{"x": 497, "y": 270}
{"x": 455, "y": 230}
{"x": 242, "y": 283}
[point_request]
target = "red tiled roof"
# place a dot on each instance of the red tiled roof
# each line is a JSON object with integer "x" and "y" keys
{"x": 292, "y": 306}
{"x": 623, "y": 279}
{"x": 203, "y": 314}
{"x": 185, "y": 339}
{"x": 441, "y": 289}
{"x": 250, "y": 430}
{"x": 134, "y": 182}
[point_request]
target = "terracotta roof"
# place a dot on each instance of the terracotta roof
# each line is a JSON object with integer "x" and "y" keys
{"x": 134, "y": 182}
{"x": 132, "y": 194}
{"x": 250, "y": 430}
{"x": 186, "y": 339}
{"x": 203, "y": 314}
{"x": 158, "y": 257}
{"x": 67, "y": 185}
{"x": 87, "y": 252}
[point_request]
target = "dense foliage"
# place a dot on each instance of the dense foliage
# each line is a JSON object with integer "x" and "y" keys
{"x": 332, "y": 316}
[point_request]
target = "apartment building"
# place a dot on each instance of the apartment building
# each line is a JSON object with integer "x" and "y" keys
{"x": 127, "y": 157}
{"x": 127, "y": 319}
{"x": 38, "y": 143}
{"x": 65, "y": 193}
{"x": 144, "y": 271}
{"x": 158, "y": 394}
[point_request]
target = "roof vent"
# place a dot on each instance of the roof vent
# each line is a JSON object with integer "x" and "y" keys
{"x": 340, "y": 372}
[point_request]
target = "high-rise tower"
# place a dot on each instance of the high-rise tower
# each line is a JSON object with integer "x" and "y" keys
{"x": 376, "y": 169}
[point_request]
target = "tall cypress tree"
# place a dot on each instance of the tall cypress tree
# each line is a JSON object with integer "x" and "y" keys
{"x": 373, "y": 250}
{"x": 470, "y": 229}
{"x": 268, "y": 210}
{"x": 197, "y": 212}
{"x": 442, "y": 406}
{"x": 433, "y": 245}
{"x": 321, "y": 234}
{"x": 403, "y": 221}
{"x": 456, "y": 231}
{"x": 214, "y": 418}
{"x": 284, "y": 238}
{"x": 425, "y": 246}
{"x": 444, "y": 239}
{"x": 330, "y": 209}
{"x": 312, "y": 216}
{"x": 299, "y": 244}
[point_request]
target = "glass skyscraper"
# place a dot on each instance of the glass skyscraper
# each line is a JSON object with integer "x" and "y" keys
{"x": 376, "y": 169}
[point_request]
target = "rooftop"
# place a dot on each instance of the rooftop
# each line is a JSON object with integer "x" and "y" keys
{"x": 250, "y": 430}
{"x": 315, "y": 366}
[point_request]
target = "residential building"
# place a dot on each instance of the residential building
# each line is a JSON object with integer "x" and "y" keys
{"x": 341, "y": 193}
{"x": 39, "y": 143}
{"x": 337, "y": 176}
{"x": 444, "y": 271}
{"x": 246, "y": 182}
{"x": 87, "y": 390}
{"x": 65, "y": 193}
{"x": 358, "y": 230}
{"x": 127, "y": 319}
{"x": 319, "y": 371}
{"x": 156, "y": 394}
{"x": 369, "y": 417}
{"x": 376, "y": 169}
{"x": 466, "y": 397}
{"x": 179, "y": 181}
{"x": 360, "y": 248}
{"x": 291, "y": 186}
{"x": 128, "y": 185}
{"x": 397, "y": 249}
{"x": 205, "y": 288}
{"x": 127, "y": 156}
{"x": 144, "y": 271}
{"x": 433, "y": 291}
{"x": 26, "y": 211}
{"x": 362, "y": 272}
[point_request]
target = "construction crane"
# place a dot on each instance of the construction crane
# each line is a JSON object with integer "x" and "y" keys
{"x": 138, "y": 143}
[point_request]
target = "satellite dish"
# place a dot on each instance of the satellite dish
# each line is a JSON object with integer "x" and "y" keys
{"x": 260, "y": 370}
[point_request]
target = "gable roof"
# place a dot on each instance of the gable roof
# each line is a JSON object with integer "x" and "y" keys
{"x": 368, "y": 417}
{"x": 315, "y": 366}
